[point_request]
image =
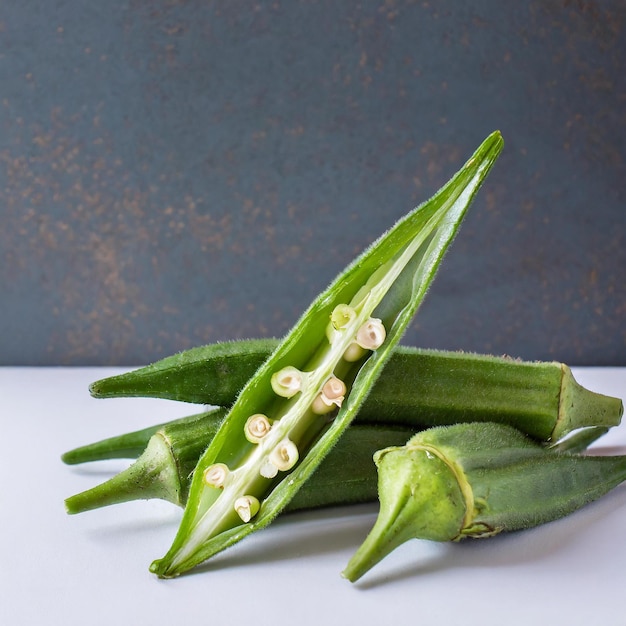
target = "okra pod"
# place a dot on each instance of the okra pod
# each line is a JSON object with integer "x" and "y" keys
{"x": 476, "y": 480}
{"x": 346, "y": 476}
{"x": 417, "y": 387}
{"x": 170, "y": 452}
{"x": 129, "y": 445}
{"x": 294, "y": 409}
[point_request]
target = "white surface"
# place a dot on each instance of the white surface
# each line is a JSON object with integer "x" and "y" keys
{"x": 92, "y": 568}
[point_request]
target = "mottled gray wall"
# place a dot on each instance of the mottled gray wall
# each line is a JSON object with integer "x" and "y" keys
{"x": 178, "y": 172}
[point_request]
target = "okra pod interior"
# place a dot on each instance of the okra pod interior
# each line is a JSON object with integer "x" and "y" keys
{"x": 342, "y": 341}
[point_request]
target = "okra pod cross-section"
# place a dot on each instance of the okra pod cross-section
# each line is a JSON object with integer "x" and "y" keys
{"x": 297, "y": 405}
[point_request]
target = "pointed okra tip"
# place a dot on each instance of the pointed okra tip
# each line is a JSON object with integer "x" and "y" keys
{"x": 319, "y": 364}
{"x": 420, "y": 498}
{"x": 153, "y": 475}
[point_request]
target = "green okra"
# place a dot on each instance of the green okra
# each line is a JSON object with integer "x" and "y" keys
{"x": 168, "y": 454}
{"x": 417, "y": 387}
{"x": 301, "y": 400}
{"x": 126, "y": 446}
{"x": 163, "y": 470}
{"x": 476, "y": 480}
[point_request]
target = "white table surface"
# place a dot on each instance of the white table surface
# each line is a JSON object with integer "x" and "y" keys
{"x": 92, "y": 569}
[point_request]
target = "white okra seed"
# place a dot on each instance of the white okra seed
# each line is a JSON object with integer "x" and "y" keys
{"x": 334, "y": 388}
{"x": 247, "y": 507}
{"x": 215, "y": 475}
{"x": 268, "y": 469}
{"x": 287, "y": 381}
{"x": 257, "y": 426}
{"x": 320, "y": 406}
{"x": 285, "y": 455}
{"x": 372, "y": 334}
{"x": 332, "y": 395}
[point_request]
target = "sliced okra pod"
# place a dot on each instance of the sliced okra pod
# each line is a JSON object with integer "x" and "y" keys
{"x": 476, "y": 480}
{"x": 417, "y": 387}
{"x": 346, "y": 476}
{"x": 344, "y": 337}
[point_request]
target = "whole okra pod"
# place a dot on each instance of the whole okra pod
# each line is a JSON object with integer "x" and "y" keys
{"x": 168, "y": 453}
{"x": 417, "y": 387}
{"x": 297, "y": 405}
{"x": 476, "y": 480}
{"x": 163, "y": 470}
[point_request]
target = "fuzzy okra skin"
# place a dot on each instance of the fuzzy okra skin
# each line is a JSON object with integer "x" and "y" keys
{"x": 171, "y": 451}
{"x": 417, "y": 387}
{"x": 476, "y": 480}
{"x": 346, "y": 476}
{"x": 285, "y": 419}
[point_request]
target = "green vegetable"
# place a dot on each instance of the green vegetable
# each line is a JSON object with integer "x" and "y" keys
{"x": 171, "y": 451}
{"x": 417, "y": 387}
{"x": 129, "y": 445}
{"x": 346, "y": 476}
{"x": 476, "y": 480}
{"x": 281, "y": 425}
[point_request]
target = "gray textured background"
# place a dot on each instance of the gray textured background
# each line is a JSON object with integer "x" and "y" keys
{"x": 178, "y": 172}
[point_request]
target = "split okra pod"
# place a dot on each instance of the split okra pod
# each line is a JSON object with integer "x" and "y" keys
{"x": 297, "y": 405}
{"x": 476, "y": 480}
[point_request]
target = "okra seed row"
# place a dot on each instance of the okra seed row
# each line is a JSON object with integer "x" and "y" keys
{"x": 288, "y": 382}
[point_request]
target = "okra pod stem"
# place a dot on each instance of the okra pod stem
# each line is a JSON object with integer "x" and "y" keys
{"x": 417, "y": 387}
{"x": 346, "y": 476}
{"x": 476, "y": 480}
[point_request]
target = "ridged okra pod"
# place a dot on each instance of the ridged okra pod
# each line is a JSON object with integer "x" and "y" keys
{"x": 297, "y": 405}
{"x": 168, "y": 453}
{"x": 417, "y": 387}
{"x": 476, "y": 480}
{"x": 163, "y": 470}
